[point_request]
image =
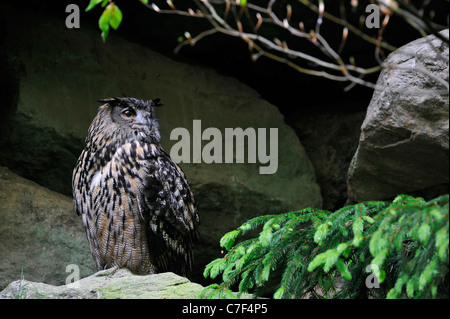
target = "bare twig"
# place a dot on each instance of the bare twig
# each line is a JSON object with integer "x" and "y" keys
{"x": 245, "y": 20}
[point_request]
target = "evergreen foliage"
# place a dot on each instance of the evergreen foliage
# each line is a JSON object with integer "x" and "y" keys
{"x": 368, "y": 250}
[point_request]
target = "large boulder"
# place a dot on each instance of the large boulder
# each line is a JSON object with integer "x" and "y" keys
{"x": 404, "y": 142}
{"x": 40, "y": 234}
{"x": 55, "y": 75}
{"x": 104, "y": 285}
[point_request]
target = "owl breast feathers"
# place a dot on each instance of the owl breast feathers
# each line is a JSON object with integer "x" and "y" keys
{"x": 136, "y": 205}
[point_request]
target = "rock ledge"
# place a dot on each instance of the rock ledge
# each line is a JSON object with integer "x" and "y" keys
{"x": 101, "y": 285}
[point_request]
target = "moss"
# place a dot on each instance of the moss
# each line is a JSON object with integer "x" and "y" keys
{"x": 131, "y": 288}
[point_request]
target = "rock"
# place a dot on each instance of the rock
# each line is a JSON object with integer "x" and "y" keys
{"x": 101, "y": 285}
{"x": 404, "y": 142}
{"x": 53, "y": 96}
{"x": 40, "y": 234}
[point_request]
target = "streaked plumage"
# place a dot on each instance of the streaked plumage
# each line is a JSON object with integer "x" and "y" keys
{"x": 136, "y": 204}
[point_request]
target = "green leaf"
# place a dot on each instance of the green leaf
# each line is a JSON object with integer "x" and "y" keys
{"x": 358, "y": 226}
{"x": 105, "y": 35}
{"x": 347, "y": 252}
{"x": 437, "y": 214}
{"x": 379, "y": 259}
{"x": 357, "y": 240}
{"x": 252, "y": 247}
{"x": 92, "y": 4}
{"x": 242, "y": 261}
{"x": 341, "y": 248}
{"x": 414, "y": 233}
{"x": 103, "y": 22}
{"x": 246, "y": 282}
{"x": 268, "y": 224}
{"x": 214, "y": 267}
{"x": 410, "y": 288}
{"x": 209, "y": 291}
{"x": 343, "y": 230}
{"x": 265, "y": 237}
{"x": 398, "y": 199}
{"x": 392, "y": 294}
{"x": 382, "y": 276}
{"x": 442, "y": 243}
{"x": 279, "y": 293}
{"x": 360, "y": 209}
{"x": 378, "y": 242}
{"x": 265, "y": 273}
{"x": 361, "y": 258}
{"x": 397, "y": 290}
{"x": 228, "y": 239}
{"x": 398, "y": 241}
{"x": 343, "y": 269}
{"x": 424, "y": 233}
{"x": 427, "y": 275}
{"x": 243, "y": 3}
{"x": 433, "y": 292}
{"x": 226, "y": 293}
{"x": 317, "y": 261}
{"x": 227, "y": 272}
{"x": 245, "y": 227}
{"x": 331, "y": 260}
{"x": 116, "y": 17}
{"x": 321, "y": 233}
{"x": 369, "y": 219}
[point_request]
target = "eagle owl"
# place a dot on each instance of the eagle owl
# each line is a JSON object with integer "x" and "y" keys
{"x": 136, "y": 205}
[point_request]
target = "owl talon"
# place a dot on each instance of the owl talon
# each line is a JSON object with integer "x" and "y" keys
{"x": 111, "y": 271}
{"x": 107, "y": 273}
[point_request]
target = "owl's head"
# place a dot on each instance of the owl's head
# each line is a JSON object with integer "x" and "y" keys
{"x": 131, "y": 118}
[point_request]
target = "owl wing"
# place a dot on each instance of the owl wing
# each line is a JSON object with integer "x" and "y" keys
{"x": 169, "y": 208}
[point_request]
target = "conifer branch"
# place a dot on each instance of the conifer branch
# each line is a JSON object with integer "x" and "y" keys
{"x": 405, "y": 243}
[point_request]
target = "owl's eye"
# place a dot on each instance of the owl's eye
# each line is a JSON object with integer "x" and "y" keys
{"x": 128, "y": 112}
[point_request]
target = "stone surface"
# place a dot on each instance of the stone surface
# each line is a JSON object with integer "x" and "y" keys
{"x": 330, "y": 140}
{"x": 102, "y": 285}
{"x": 40, "y": 234}
{"x": 404, "y": 142}
{"x": 57, "y": 74}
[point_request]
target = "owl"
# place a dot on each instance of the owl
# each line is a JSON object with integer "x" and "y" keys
{"x": 135, "y": 202}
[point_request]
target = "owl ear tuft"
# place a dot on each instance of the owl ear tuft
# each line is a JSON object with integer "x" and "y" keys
{"x": 156, "y": 102}
{"x": 113, "y": 101}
